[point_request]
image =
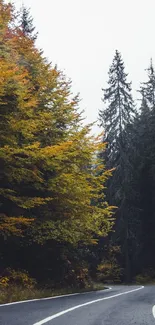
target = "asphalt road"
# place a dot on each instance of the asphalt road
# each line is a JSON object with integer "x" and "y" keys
{"x": 120, "y": 305}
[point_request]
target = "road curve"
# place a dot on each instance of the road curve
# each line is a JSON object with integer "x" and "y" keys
{"x": 121, "y": 305}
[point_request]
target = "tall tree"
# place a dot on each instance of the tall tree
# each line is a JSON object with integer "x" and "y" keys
{"x": 148, "y": 87}
{"x": 146, "y": 149}
{"x": 118, "y": 109}
{"x": 46, "y": 155}
{"x": 116, "y": 118}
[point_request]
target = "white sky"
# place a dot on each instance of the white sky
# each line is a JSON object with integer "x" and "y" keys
{"x": 81, "y": 36}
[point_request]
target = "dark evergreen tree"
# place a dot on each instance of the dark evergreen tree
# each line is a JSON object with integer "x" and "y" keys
{"x": 142, "y": 181}
{"x": 26, "y": 23}
{"x": 148, "y": 87}
{"x": 147, "y": 178}
{"x": 117, "y": 119}
{"x": 118, "y": 109}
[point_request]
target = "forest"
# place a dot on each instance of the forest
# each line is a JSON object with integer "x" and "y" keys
{"x": 74, "y": 208}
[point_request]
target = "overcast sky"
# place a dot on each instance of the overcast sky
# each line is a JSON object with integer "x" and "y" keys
{"x": 81, "y": 36}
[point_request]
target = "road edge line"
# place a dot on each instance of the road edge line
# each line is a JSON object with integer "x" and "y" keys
{"x": 48, "y": 319}
{"x": 48, "y": 298}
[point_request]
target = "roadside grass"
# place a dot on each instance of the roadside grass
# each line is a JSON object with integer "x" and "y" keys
{"x": 145, "y": 282}
{"x": 16, "y": 293}
{"x": 146, "y": 278}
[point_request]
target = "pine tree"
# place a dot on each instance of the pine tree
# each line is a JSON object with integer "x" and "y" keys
{"x": 26, "y": 23}
{"x": 148, "y": 87}
{"x": 117, "y": 119}
{"x": 118, "y": 111}
{"x": 146, "y": 151}
{"x": 141, "y": 153}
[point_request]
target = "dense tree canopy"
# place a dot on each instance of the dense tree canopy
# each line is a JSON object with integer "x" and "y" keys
{"x": 130, "y": 149}
{"x": 72, "y": 205}
{"x": 50, "y": 186}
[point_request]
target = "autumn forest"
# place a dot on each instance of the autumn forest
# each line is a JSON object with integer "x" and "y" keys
{"x": 74, "y": 208}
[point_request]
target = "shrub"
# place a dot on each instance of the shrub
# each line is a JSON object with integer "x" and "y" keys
{"x": 147, "y": 276}
{"x": 109, "y": 271}
{"x": 77, "y": 277}
{"x": 16, "y": 277}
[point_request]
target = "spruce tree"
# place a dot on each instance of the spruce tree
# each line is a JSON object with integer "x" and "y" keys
{"x": 117, "y": 118}
{"x": 26, "y": 23}
{"x": 147, "y": 153}
{"x": 148, "y": 87}
{"x": 118, "y": 109}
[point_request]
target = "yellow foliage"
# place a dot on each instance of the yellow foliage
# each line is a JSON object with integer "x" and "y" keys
{"x": 13, "y": 225}
{"x": 13, "y": 277}
{"x": 49, "y": 160}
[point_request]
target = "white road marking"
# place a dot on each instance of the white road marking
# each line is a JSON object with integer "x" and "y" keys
{"x": 153, "y": 311}
{"x": 48, "y": 319}
{"x": 48, "y": 298}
